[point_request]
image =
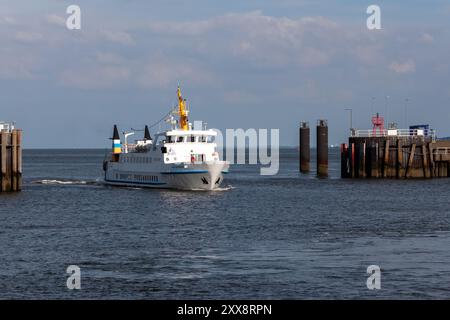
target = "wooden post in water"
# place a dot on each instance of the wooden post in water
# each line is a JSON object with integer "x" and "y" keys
{"x": 386, "y": 159}
{"x": 425, "y": 161}
{"x": 19, "y": 160}
{"x": 363, "y": 161}
{"x": 432, "y": 173}
{"x": 410, "y": 161}
{"x": 400, "y": 171}
{"x": 10, "y": 160}
{"x": 14, "y": 168}
{"x": 3, "y": 161}
{"x": 353, "y": 160}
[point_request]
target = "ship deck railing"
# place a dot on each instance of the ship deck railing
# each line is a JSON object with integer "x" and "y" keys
{"x": 129, "y": 147}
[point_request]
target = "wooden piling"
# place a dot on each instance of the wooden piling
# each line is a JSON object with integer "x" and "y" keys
{"x": 432, "y": 165}
{"x": 3, "y": 159}
{"x": 425, "y": 161}
{"x": 10, "y": 161}
{"x": 363, "y": 161}
{"x": 19, "y": 160}
{"x": 374, "y": 169}
{"x": 400, "y": 170}
{"x": 386, "y": 159}
{"x": 353, "y": 161}
{"x": 345, "y": 163}
{"x": 409, "y": 168}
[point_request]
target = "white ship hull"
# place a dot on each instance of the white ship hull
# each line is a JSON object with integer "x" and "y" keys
{"x": 207, "y": 176}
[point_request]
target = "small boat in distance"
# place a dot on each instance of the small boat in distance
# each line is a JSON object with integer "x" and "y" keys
{"x": 179, "y": 158}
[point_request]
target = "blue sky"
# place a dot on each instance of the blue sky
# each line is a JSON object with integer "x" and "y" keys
{"x": 242, "y": 64}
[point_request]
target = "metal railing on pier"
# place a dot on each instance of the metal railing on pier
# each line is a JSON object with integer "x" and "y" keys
{"x": 393, "y": 133}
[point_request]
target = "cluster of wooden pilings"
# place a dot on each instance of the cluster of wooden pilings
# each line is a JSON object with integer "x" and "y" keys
{"x": 10, "y": 161}
{"x": 399, "y": 157}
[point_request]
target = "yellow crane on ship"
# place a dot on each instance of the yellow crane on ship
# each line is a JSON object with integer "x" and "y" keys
{"x": 182, "y": 111}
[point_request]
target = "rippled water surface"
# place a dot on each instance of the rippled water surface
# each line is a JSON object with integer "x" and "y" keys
{"x": 283, "y": 237}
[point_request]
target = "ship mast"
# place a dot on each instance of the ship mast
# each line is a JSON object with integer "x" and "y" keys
{"x": 182, "y": 111}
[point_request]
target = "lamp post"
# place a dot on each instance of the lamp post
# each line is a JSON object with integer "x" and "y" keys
{"x": 372, "y": 106}
{"x": 386, "y": 115}
{"x": 351, "y": 117}
{"x": 406, "y": 112}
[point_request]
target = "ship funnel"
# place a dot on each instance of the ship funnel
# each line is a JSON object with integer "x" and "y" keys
{"x": 147, "y": 135}
{"x": 117, "y": 145}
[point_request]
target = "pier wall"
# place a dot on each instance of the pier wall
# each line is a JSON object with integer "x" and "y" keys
{"x": 395, "y": 157}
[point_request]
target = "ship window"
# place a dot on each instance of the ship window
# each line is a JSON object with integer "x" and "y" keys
{"x": 180, "y": 139}
{"x": 192, "y": 139}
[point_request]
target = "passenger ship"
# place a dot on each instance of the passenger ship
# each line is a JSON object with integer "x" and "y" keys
{"x": 180, "y": 158}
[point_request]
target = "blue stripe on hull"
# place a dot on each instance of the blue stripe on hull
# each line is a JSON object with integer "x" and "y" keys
{"x": 185, "y": 172}
{"x": 136, "y": 183}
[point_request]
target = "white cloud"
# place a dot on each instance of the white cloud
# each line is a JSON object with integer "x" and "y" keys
{"x": 119, "y": 37}
{"x": 405, "y": 67}
{"x": 7, "y": 20}
{"x": 368, "y": 54}
{"x": 28, "y": 37}
{"x": 95, "y": 77}
{"x": 261, "y": 40}
{"x": 164, "y": 73}
{"x": 426, "y": 38}
{"x": 108, "y": 58}
{"x": 240, "y": 97}
{"x": 313, "y": 57}
{"x": 14, "y": 65}
{"x": 54, "y": 19}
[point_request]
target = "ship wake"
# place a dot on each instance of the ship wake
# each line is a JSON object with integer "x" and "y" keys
{"x": 66, "y": 182}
